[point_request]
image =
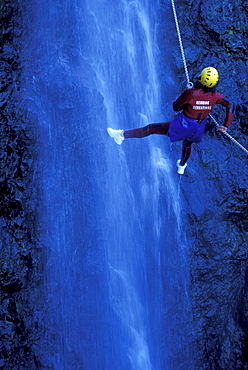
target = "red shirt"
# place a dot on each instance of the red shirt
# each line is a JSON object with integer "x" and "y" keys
{"x": 197, "y": 104}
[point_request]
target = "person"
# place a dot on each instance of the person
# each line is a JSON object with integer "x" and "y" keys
{"x": 188, "y": 126}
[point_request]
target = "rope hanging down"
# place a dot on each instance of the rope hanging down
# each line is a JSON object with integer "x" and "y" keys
{"x": 190, "y": 84}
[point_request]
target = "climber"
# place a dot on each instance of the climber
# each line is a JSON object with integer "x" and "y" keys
{"x": 188, "y": 126}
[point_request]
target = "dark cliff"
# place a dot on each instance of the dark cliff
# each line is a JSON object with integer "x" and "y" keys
{"x": 215, "y": 187}
{"x": 18, "y": 255}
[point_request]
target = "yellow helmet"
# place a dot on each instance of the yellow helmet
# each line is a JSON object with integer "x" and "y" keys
{"x": 209, "y": 77}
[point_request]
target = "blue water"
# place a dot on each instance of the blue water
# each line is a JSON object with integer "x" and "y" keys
{"x": 114, "y": 287}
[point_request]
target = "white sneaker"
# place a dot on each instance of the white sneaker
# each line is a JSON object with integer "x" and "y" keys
{"x": 180, "y": 169}
{"x": 117, "y": 135}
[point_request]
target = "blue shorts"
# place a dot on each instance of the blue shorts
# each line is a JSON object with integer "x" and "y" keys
{"x": 183, "y": 127}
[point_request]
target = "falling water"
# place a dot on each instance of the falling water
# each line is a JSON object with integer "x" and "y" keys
{"x": 115, "y": 280}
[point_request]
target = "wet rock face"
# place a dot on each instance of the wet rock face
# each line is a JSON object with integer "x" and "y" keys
{"x": 18, "y": 256}
{"x": 216, "y": 194}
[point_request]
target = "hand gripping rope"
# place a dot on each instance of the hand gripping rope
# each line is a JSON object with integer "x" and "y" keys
{"x": 228, "y": 135}
{"x": 190, "y": 84}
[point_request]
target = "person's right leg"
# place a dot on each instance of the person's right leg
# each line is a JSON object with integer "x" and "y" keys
{"x": 186, "y": 151}
{"x": 151, "y": 129}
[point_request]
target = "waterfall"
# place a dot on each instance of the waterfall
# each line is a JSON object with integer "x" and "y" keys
{"x": 115, "y": 279}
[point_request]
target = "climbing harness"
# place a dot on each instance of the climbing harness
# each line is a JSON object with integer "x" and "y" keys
{"x": 189, "y": 83}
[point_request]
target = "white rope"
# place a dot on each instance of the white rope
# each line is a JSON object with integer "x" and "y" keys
{"x": 228, "y": 135}
{"x": 190, "y": 84}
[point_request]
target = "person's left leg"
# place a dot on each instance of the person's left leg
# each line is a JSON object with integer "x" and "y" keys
{"x": 151, "y": 129}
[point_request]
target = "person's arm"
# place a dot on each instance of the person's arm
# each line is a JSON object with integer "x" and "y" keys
{"x": 229, "y": 110}
{"x": 181, "y": 101}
